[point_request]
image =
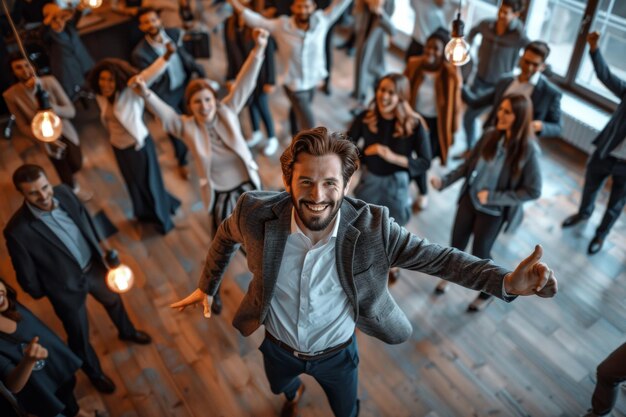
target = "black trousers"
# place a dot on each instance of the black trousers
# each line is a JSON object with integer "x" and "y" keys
{"x": 73, "y": 315}
{"x": 598, "y": 170}
{"x": 65, "y": 393}
{"x": 175, "y": 99}
{"x": 484, "y": 227}
{"x": 70, "y": 162}
{"x": 611, "y": 373}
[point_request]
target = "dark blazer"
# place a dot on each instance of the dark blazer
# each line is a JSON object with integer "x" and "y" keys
{"x": 43, "y": 264}
{"x": 70, "y": 60}
{"x": 615, "y": 130}
{"x": 546, "y": 99}
{"x": 368, "y": 244}
{"x": 512, "y": 191}
{"x": 143, "y": 56}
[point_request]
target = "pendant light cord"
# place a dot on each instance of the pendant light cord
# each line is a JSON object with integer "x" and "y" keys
{"x": 15, "y": 32}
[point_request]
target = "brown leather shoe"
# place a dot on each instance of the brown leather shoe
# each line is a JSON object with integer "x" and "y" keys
{"x": 290, "y": 408}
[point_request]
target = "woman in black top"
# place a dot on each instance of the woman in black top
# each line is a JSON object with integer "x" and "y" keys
{"x": 394, "y": 148}
{"x": 35, "y": 365}
{"x": 501, "y": 173}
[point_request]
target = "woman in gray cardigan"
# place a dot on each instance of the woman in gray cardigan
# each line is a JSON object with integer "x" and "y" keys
{"x": 501, "y": 174}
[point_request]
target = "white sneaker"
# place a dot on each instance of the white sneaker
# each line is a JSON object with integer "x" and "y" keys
{"x": 271, "y": 147}
{"x": 257, "y": 137}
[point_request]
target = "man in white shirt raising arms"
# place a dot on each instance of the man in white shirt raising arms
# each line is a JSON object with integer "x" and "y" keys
{"x": 301, "y": 51}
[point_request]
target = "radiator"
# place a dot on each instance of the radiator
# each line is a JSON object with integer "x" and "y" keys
{"x": 578, "y": 133}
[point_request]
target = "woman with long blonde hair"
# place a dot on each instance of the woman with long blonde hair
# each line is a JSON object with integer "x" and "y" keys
{"x": 394, "y": 147}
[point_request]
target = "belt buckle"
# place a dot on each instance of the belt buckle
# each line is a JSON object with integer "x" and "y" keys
{"x": 300, "y": 355}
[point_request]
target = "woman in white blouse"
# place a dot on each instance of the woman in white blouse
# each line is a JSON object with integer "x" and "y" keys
{"x": 121, "y": 112}
{"x": 224, "y": 163}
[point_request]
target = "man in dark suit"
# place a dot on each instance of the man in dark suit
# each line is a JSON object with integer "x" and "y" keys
{"x": 609, "y": 158}
{"x": 54, "y": 250}
{"x": 181, "y": 67}
{"x": 320, "y": 263}
{"x": 544, "y": 95}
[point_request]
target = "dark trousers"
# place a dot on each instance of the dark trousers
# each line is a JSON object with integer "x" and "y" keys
{"x": 484, "y": 227}
{"x": 259, "y": 108}
{"x": 415, "y": 49}
{"x": 300, "y": 113}
{"x": 337, "y": 374}
{"x": 142, "y": 174}
{"x": 598, "y": 170}
{"x": 69, "y": 163}
{"x": 65, "y": 394}
{"x": 175, "y": 99}
{"x": 422, "y": 180}
{"x": 611, "y": 373}
{"x": 472, "y": 113}
{"x": 73, "y": 315}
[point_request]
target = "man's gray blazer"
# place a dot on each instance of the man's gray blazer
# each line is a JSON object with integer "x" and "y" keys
{"x": 368, "y": 244}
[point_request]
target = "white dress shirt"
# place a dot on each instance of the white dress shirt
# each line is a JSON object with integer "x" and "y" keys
{"x": 310, "y": 310}
{"x": 301, "y": 54}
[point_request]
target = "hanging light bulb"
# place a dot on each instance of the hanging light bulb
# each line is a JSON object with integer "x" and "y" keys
{"x": 120, "y": 277}
{"x": 457, "y": 51}
{"x": 92, "y": 4}
{"x": 46, "y": 125}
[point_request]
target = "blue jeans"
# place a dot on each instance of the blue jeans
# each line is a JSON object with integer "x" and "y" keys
{"x": 337, "y": 374}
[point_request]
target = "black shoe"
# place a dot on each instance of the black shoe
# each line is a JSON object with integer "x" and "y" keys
{"x": 139, "y": 337}
{"x": 574, "y": 220}
{"x": 326, "y": 89}
{"x": 595, "y": 245}
{"x": 216, "y": 306}
{"x": 102, "y": 383}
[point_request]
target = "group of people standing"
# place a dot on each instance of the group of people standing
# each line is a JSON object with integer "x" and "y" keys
{"x": 402, "y": 122}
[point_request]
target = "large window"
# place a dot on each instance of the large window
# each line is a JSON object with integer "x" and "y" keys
{"x": 565, "y": 24}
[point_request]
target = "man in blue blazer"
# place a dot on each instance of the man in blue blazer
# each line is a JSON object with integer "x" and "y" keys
{"x": 544, "y": 95}
{"x": 320, "y": 263}
{"x": 55, "y": 252}
{"x": 609, "y": 158}
{"x": 181, "y": 68}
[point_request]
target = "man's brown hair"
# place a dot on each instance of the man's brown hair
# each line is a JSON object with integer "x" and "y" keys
{"x": 319, "y": 142}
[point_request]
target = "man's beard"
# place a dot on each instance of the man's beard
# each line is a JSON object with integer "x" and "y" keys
{"x": 316, "y": 224}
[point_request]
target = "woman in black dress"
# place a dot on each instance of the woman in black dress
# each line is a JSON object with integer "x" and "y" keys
{"x": 35, "y": 365}
{"x": 394, "y": 148}
{"x": 121, "y": 111}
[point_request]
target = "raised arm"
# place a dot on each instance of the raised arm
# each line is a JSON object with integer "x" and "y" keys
{"x": 61, "y": 103}
{"x": 171, "y": 121}
{"x": 17, "y": 379}
{"x": 153, "y": 71}
{"x": 246, "y": 79}
{"x": 336, "y": 9}
{"x": 252, "y": 18}
{"x": 604, "y": 74}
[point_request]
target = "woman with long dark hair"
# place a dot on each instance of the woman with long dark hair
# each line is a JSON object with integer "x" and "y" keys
{"x": 501, "y": 173}
{"x": 121, "y": 111}
{"x": 35, "y": 365}
{"x": 394, "y": 148}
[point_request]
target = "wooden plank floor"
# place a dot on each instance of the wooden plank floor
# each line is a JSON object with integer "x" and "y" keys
{"x": 533, "y": 357}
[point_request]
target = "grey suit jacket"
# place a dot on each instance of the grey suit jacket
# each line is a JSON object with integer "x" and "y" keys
{"x": 368, "y": 244}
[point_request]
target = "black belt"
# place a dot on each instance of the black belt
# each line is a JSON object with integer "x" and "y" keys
{"x": 305, "y": 356}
